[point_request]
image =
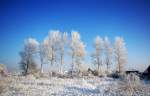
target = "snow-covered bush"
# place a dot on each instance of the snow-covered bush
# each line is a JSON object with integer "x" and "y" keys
{"x": 3, "y": 70}
{"x": 30, "y": 76}
{"x": 132, "y": 80}
{"x": 4, "y": 83}
{"x": 2, "y": 86}
{"x": 129, "y": 85}
{"x": 117, "y": 75}
{"x": 45, "y": 75}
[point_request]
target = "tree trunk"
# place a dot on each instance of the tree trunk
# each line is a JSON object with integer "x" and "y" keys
{"x": 26, "y": 71}
{"x": 61, "y": 61}
{"x": 119, "y": 66}
{"x": 41, "y": 68}
{"x": 98, "y": 63}
{"x": 52, "y": 58}
{"x": 27, "y": 67}
{"x": 72, "y": 64}
{"x": 107, "y": 63}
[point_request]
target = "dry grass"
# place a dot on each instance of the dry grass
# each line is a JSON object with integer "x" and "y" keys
{"x": 130, "y": 86}
{"x": 4, "y": 83}
{"x": 95, "y": 86}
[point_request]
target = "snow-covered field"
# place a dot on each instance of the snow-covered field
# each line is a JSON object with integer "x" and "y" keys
{"x": 86, "y": 86}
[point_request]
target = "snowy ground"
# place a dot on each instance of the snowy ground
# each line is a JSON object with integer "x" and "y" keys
{"x": 87, "y": 86}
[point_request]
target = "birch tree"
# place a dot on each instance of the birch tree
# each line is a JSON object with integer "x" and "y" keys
{"x": 77, "y": 49}
{"x": 97, "y": 55}
{"x": 27, "y": 63}
{"x": 62, "y": 45}
{"x": 53, "y": 40}
{"x": 75, "y": 37}
{"x": 80, "y": 54}
{"x": 120, "y": 53}
{"x": 108, "y": 53}
{"x": 43, "y": 54}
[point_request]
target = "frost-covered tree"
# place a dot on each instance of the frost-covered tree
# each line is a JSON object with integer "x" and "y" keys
{"x": 27, "y": 63}
{"x": 43, "y": 54}
{"x": 75, "y": 37}
{"x": 108, "y": 53}
{"x": 97, "y": 55}
{"x": 80, "y": 54}
{"x": 120, "y": 53}
{"x": 62, "y": 45}
{"x": 51, "y": 44}
{"x": 77, "y": 50}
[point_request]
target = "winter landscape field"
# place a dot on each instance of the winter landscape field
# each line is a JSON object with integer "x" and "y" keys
{"x": 74, "y": 47}
{"x": 85, "y": 86}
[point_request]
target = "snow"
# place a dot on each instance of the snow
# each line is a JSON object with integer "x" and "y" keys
{"x": 85, "y": 86}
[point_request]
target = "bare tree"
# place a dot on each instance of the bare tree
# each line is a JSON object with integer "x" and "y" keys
{"x": 108, "y": 53}
{"x": 120, "y": 53}
{"x": 27, "y": 63}
{"x": 97, "y": 55}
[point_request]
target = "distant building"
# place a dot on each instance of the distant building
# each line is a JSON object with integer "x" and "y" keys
{"x": 132, "y": 71}
{"x": 147, "y": 71}
{"x": 135, "y": 71}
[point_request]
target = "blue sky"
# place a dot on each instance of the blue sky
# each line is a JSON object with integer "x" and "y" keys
{"x": 130, "y": 19}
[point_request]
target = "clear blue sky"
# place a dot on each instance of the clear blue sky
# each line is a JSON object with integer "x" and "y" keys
{"x": 20, "y": 19}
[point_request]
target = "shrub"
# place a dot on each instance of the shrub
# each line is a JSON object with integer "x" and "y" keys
{"x": 115, "y": 75}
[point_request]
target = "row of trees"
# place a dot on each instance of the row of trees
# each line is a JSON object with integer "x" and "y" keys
{"x": 58, "y": 45}
{"x": 106, "y": 54}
